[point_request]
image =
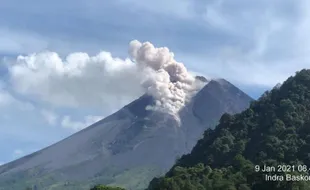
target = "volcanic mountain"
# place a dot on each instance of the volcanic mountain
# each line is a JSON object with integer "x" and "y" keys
{"x": 127, "y": 148}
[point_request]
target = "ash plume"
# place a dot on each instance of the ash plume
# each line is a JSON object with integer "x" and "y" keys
{"x": 81, "y": 80}
{"x": 167, "y": 80}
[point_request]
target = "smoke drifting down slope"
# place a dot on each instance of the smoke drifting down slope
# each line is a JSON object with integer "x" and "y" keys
{"x": 69, "y": 82}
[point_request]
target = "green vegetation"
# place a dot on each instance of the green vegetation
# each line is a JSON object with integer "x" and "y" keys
{"x": 103, "y": 187}
{"x": 274, "y": 131}
{"x": 136, "y": 179}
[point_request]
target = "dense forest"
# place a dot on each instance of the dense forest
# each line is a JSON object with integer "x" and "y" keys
{"x": 272, "y": 135}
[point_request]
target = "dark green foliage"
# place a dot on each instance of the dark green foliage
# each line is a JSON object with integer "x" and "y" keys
{"x": 103, "y": 187}
{"x": 275, "y": 130}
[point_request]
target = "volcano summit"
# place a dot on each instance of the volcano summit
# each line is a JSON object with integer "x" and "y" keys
{"x": 141, "y": 140}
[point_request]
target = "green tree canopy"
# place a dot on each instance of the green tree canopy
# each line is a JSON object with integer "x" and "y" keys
{"x": 274, "y": 131}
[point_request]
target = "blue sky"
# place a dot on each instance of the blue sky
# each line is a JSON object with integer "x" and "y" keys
{"x": 253, "y": 44}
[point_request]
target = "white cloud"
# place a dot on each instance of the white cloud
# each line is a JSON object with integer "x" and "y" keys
{"x": 1, "y": 163}
{"x": 260, "y": 33}
{"x": 49, "y": 116}
{"x": 79, "y": 80}
{"x": 267, "y": 41}
{"x": 67, "y": 122}
{"x": 102, "y": 80}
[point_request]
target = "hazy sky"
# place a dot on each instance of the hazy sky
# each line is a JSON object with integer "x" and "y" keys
{"x": 253, "y": 44}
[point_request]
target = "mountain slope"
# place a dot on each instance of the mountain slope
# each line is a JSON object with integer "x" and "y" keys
{"x": 274, "y": 132}
{"x": 131, "y": 143}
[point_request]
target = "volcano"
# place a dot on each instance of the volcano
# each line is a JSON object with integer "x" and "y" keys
{"x": 127, "y": 148}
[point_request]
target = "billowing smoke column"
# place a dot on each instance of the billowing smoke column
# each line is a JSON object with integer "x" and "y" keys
{"x": 81, "y": 80}
{"x": 167, "y": 80}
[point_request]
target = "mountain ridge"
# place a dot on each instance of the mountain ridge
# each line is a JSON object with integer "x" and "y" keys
{"x": 128, "y": 138}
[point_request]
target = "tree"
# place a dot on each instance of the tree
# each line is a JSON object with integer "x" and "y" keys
{"x": 103, "y": 187}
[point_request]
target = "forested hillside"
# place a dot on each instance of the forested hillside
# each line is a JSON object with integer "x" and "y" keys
{"x": 103, "y": 187}
{"x": 273, "y": 132}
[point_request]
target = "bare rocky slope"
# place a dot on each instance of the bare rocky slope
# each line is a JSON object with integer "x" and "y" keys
{"x": 127, "y": 148}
